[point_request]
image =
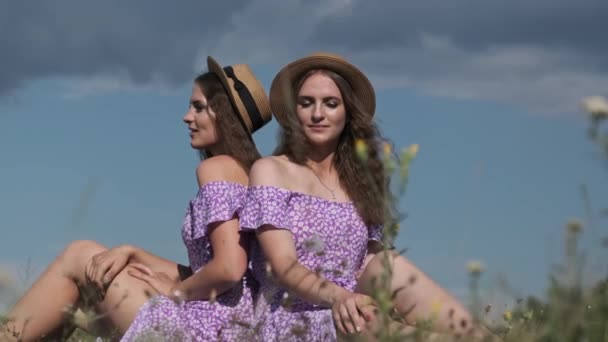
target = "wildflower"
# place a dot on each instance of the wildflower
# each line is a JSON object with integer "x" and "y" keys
{"x": 574, "y": 226}
{"x": 475, "y": 267}
{"x": 597, "y": 106}
{"x": 361, "y": 149}
{"x": 412, "y": 150}
{"x": 507, "y": 316}
{"x": 387, "y": 149}
{"x": 82, "y": 318}
{"x": 407, "y": 155}
{"x": 315, "y": 244}
{"x": 6, "y": 280}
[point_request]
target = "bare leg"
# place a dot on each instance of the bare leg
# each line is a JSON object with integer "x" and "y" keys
{"x": 416, "y": 297}
{"x": 42, "y": 310}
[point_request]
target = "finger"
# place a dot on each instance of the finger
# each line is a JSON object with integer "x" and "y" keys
{"x": 142, "y": 268}
{"x": 338, "y": 322}
{"x": 103, "y": 267}
{"x": 367, "y": 312}
{"x": 355, "y": 318}
{"x": 100, "y": 269}
{"x": 346, "y": 320}
{"x": 140, "y": 275}
{"x": 366, "y": 306}
{"x": 111, "y": 273}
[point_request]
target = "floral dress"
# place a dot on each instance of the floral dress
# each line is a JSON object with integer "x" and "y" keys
{"x": 226, "y": 318}
{"x": 330, "y": 239}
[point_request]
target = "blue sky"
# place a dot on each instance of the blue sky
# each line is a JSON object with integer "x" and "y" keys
{"x": 97, "y": 150}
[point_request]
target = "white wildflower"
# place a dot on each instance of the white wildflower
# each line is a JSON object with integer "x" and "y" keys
{"x": 597, "y": 106}
{"x": 315, "y": 244}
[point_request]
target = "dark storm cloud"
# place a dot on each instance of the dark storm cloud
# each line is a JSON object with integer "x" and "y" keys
{"x": 541, "y": 54}
{"x": 473, "y": 24}
{"x": 144, "y": 39}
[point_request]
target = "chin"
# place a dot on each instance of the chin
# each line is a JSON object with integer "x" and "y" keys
{"x": 197, "y": 146}
{"x": 321, "y": 142}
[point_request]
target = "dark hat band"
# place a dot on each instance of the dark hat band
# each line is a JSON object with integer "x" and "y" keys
{"x": 247, "y": 99}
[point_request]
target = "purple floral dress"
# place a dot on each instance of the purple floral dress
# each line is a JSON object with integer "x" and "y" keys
{"x": 330, "y": 238}
{"x": 226, "y": 319}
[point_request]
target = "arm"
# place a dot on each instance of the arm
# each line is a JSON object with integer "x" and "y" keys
{"x": 225, "y": 270}
{"x": 279, "y": 247}
{"x": 229, "y": 261}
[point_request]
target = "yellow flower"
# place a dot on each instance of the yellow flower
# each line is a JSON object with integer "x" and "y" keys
{"x": 387, "y": 149}
{"x": 361, "y": 149}
{"x": 507, "y": 316}
{"x": 412, "y": 150}
{"x": 475, "y": 267}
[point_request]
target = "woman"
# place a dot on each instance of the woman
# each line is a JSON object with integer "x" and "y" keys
{"x": 208, "y": 300}
{"x": 317, "y": 209}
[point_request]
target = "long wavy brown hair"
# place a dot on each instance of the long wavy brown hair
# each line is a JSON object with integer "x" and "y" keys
{"x": 234, "y": 140}
{"x": 364, "y": 179}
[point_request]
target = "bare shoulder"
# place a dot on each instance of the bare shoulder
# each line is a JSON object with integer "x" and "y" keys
{"x": 272, "y": 170}
{"x": 221, "y": 168}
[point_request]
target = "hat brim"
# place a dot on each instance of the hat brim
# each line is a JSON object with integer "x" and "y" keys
{"x": 217, "y": 69}
{"x": 283, "y": 83}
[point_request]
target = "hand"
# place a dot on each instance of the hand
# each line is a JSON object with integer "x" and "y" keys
{"x": 101, "y": 269}
{"x": 159, "y": 281}
{"x": 351, "y": 310}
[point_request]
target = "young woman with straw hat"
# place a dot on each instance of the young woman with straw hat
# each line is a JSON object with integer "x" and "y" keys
{"x": 318, "y": 211}
{"x": 203, "y": 301}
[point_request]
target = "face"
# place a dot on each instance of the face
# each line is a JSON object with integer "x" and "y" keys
{"x": 321, "y": 110}
{"x": 200, "y": 120}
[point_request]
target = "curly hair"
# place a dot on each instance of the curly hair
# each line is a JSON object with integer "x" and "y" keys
{"x": 234, "y": 139}
{"x": 364, "y": 179}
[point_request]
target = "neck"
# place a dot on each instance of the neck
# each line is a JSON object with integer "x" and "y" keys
{"x": 214, "y": 150}
{"x": 321, "y": 159}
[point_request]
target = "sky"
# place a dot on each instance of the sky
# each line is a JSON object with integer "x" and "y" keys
{"x": 92, "y": 144}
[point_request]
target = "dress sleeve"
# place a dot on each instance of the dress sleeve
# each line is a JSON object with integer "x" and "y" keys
{"x": 265, "y": 205}
{"x": 215, "y": 202}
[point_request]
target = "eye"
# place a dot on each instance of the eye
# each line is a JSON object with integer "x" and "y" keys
{"x": 332, "y": 104}
{"x": 199, "y": 107}
{"x": 304, "y": 103}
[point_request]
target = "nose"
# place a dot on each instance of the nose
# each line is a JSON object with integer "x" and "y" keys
{"x": 188, "y": 117}
{"x": 317, "y": 113}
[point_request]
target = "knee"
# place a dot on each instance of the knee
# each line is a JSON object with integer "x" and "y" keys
{"x": 81, "y": 250}
{"x": 383, "y": 261}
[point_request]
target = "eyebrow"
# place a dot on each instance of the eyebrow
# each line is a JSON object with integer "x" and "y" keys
{"x": 327, "y": 98}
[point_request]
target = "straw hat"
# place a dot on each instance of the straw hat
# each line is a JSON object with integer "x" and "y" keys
{"x": 246, "y": 93}
{"x": 290, "y": 74}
